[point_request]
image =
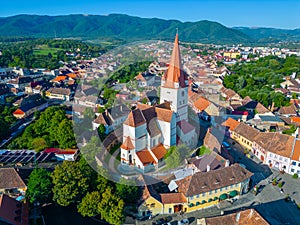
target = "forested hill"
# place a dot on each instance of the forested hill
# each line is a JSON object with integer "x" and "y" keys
{"x": 118, "y": 26}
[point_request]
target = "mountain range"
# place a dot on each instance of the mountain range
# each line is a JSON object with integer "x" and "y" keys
{"x": 130, "y": 28}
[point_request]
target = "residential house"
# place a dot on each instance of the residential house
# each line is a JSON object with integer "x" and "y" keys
{"x": 295, "y": 158}
{"x": 266, "y": 122}
{"x": 230, "y": 125}
{"x": 254, "y": 106}
{"x": 13, "y": 212}
{"x": 30, "y": 105}
{"x": 145, "y": 79}
{"x": 59, "y": 93}
{"x": 231, "y": 95}
{"x": 245, "y": 217}
{"x": 288, "y": 110}
{"x": 245, "y": 135}
{"x": 112, "y": 118}
{"x": 11, "y": 182}
{"x": 205, "y": 108}
{"x": 20, "y": 82}
{"x": 274, "y": 149}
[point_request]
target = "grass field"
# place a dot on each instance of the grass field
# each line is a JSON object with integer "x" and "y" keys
{"x": 45, "y": 50}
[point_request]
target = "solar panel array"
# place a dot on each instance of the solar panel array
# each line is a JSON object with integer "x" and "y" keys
{"x": 25, "y": 156}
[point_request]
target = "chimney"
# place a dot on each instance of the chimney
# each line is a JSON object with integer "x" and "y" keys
{"x": 237, "y": 217}
{"x": 207, "y": 168}
{"x": 227, "y": 163}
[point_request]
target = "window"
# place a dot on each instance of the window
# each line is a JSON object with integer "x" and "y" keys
{"x": 182, "y": 93}
{"x": 210, "y": 192}
{"x": 221, "y": 189}
{"x": 197, "y": 196}
{"x": 299, "y": 164}
{"x": 231, "y": 186}
{"x": 152, "y": 205}
{"x": 236, "y": 185}
{"x": 271, "y": 155}
{"x": 280, "y": 158}
{"x": 294, "y": 163}
{"x": 192, "y": 197}
{"x": 203, "y": 195}
{"x": 216, "y": 191}
{"x": 170, "y": 210}
{"x": 292, "y": 170}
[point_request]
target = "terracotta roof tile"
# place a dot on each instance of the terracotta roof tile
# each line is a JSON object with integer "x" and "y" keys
{"x": 231, "y": 123}
{"x": 159, "y": 151}
{"x": 135, "y": 118}
{"x": 246, "y": 131}
{"x": 296, "y": 153}
{"x": 59, "y": 78}
{"x": 201, "y": 103}
{"x": 246, "y": 217}
{"x": 145, "y": 157}
{"x": 127, "y": 144}
{"x": 172, "y": 198}
{"x": 212, "y": 180}
{"x": 280, "y": 144}
{"x": 18, "y": 112}
{"x": 10, "y": 179}
{"x": 164, "y": 114}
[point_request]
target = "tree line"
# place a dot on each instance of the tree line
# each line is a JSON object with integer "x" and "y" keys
{"x": 21, "y": 54}
{"x": 258, "y": 79}
{"x": 51, "y": 129}
{"x": 76, "y": 183}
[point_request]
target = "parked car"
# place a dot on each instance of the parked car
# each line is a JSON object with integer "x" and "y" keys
{"x": 182, "y": 222}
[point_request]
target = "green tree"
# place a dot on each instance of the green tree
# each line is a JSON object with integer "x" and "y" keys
{"x": 111, "y": 208}
{"x": 102, "y": 132}
{"x": 127, "y": 190}
{"x": 69, "y": 183}
{"x": 39, "y": 144}
{"x": 89, "y": 204}
{"x": 65, "y": 134}
{"x": 39, "y": 186}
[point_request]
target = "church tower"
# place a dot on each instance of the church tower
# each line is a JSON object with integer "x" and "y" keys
{"x": 174, "y": 85}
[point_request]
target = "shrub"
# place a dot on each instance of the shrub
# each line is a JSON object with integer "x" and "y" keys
{"x": 295, "y": 176}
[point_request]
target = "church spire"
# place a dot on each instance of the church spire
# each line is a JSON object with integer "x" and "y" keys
{"x": 175, "y": 77}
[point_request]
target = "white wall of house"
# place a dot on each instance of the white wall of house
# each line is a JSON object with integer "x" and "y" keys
{"x": 295, "y": 167}
{"x": 278, "y": 162}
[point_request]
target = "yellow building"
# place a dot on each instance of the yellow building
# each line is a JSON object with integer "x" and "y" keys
{"x": 245, "y": 135}
{"x": 232, "y": 55}
{"x": 197, "y": 191}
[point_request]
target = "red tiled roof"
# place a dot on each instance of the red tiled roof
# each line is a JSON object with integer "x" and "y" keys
{"x": 201, "y": 103}
{"x": 173, "y": 198}
{"x": 59, "y": 78}
{"x": 296, "y": 153}
{"x": 127, "y": 144}
{"x": 159, "y": 151}
{"x": 231, "y": 123}
{"x": 60, "y": 151}
{"x": 135, "y": 118}
{"x": 18, "y": 112}
{"x": 145, "y": 157}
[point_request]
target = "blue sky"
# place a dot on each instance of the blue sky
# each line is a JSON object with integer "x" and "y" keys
{"x": 263, "y": 13}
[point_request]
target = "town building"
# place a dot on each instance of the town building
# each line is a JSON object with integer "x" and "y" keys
{"x": 196, "y": 191}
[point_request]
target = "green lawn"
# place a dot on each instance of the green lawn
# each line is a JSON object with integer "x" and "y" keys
{"x": 45, "y": 50}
